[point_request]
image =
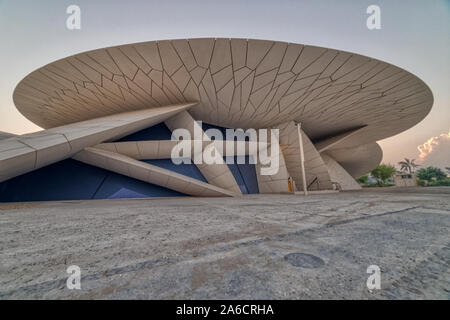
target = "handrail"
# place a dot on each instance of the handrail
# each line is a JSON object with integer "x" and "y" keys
{"x": 314, "y": 180}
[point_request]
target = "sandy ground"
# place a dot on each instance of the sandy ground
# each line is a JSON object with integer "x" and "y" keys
{"x": 253, "y": 247}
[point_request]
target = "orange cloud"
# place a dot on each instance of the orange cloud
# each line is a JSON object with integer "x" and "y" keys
{"x": 435, "y": 147}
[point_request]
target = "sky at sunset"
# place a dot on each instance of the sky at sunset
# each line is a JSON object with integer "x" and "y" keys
{"x": 415, "y": 36}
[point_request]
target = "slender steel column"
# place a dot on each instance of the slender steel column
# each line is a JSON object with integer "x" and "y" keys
{"x": 302, "y": 158}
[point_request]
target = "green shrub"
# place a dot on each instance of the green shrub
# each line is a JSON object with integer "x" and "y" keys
{"x": 363, "y": 179}
{"x": 430, "y": 174}
{"x": 422, "y": 183}
{"x": 434, "y": 183}
{"x": 440, "y": 183}
{"x": 382, "y": 173}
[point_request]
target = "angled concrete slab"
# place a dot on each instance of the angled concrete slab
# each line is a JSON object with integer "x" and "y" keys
{"x": 21, "y": 154}
{"x": 162, "y": 149}
{"x": 217, "y": 174}
{"x": 146, "y": 172}
{"x": 334, "y": 141}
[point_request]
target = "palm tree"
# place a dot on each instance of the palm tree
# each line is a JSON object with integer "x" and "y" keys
{"x": 408, "y": 165}
{"x": 405, "y": 165}
{"x": 414, "y": 165}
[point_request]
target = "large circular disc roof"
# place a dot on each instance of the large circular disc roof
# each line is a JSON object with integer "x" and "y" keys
{"x": 237, "y": 82}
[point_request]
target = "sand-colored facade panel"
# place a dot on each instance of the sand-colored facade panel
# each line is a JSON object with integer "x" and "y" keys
{"x": 335, "y": 141}
{"x": 128, "y": 148}
{"x": 339, "y": 176}
{"x": 358, "y": 161}
{"x": 164, "y": 149}
{"x": 274, "y": 183}
{"x": 16, "y": 161}
{"x": 329, "y": 91}
{"x": 49, "y": 146}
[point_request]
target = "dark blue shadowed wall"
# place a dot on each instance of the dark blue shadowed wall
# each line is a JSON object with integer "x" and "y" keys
{"x": 156, "y": 132}
{"x": 206, "y": 126}
{"x": 73, "y": 180}
{"x": 187, "y": 169}
{"x": 245, "y": 175}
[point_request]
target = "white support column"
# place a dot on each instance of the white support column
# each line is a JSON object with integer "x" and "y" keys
{"x": 302, "y": 158}
{"x": 307, "y": 169}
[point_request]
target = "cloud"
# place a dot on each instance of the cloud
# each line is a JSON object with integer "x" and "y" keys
{"x": 436, "y": 151}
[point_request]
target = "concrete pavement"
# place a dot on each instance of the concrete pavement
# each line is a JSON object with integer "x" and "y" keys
{"x": 250, "y": 247}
